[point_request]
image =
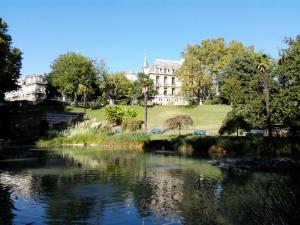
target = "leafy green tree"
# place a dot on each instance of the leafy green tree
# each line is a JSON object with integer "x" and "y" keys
{"x": 288, "y": 78}
{"x": 75, "y": 74}
{"x": 233, "y": 123}
{"x": 203, "y": 66}
{"x": 143, "y": 80}
{"x": 10, "y": 62}
{"x": 116, "y": 87}
{"x": 243, "y": 87}
{"x": 179, "y": 122}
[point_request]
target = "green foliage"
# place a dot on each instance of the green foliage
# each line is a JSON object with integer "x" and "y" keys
{"x": 116, "y": 88}
{"x": 10, "y": 62}
{"x": 116, "y": 114}
{"x": 131, "y": 124}
{"x": 233, "y": 123}
{"x": 131, "y": 113}
{"x": 91, "y": 132}
{"x": 288, "y": 77}
{"x": 73, "y": 73}
{"x": 143, "y": 81}
{"x": 179, "y": 122}
{"x": 243, "y": 88}
{"x": 203, "y": 66}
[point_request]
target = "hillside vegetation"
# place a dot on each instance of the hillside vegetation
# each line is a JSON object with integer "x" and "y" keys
{"x": 207, "y": 117}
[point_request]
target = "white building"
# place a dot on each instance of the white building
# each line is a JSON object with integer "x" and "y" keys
{"x": 167, "y": 84}
{"x": 132, "y": 76}
{"x": 32, "y": 88}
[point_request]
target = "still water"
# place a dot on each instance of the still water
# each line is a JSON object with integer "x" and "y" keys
{"x": 92, "y": 186}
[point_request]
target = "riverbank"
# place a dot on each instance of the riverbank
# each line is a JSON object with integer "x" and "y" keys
{"x": 189, "y": 145}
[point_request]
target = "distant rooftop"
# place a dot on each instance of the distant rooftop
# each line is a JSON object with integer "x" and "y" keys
{"x": 169, "y": 61}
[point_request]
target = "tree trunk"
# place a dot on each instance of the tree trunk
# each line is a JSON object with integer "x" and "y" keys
{"x": 75, "y": 99}
{"x": 267, "y": 103}
{"x": 145, "y": 107}
{"x": 84, "y": 101}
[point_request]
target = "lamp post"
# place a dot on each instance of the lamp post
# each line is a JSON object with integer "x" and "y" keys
{"x": 145, "y": 92}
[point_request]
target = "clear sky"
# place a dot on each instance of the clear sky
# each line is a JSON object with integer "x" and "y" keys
{"x": 119, "y": 31}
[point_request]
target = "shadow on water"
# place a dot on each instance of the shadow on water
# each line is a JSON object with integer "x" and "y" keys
{"x": 92, "y": 186}
{"x": 6, "y": 206}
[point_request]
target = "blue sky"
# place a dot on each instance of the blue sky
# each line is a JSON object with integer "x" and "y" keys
{"x": 119, "y": 31}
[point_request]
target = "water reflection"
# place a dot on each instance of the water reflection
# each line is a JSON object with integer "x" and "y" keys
{"x": 90, "y": 186}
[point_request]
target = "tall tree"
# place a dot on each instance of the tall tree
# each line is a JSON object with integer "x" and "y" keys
{"x": 263, "y": 68}
{"x": 203, "y": 66}
{"x": 288, "y": 77}
{"x": 243, "y": 88}
{"x": 74, "y": 74}
{"x": 116, "y": 87}
{"x": 10, "y": 62}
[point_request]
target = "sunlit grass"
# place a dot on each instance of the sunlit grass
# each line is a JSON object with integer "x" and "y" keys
{"x": 207, "y": 117}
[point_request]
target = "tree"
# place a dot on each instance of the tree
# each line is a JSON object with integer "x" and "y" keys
{"x": 179, "y": 122}
{"x": 116, "y": 87}
{"x": 75, "y": 74}
{"x": 233, "y": 123}
{"x": 288, "y": 80}
{"x": 145, "y": 84}
{"x": 263, "y": 67}
{"x": 243, "y": 87}
{"x": 203, "y": 66}
{"x": 10, "y": 62}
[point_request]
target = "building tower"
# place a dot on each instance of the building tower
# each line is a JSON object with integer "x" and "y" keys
{"x": 145, "y": 67}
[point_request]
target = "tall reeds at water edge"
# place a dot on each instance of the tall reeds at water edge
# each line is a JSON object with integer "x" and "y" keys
{"x": 91, "y": 132}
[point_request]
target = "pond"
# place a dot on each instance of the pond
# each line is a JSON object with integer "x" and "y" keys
{"x": 93, "y": 186}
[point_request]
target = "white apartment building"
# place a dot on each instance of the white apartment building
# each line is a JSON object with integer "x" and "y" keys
{"x": 167, "y": 84}
{"x": 32, "y": 88}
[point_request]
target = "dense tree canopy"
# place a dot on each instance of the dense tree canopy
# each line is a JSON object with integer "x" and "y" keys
{"x": 142, "y": 81}
{"x": 75, "y": 74}
{"x": 10, "y": 62}
{"x": 288, "y": 77}
{"x": 265, "y": 93}
{"x": 116, "y": 87}
{"x": 201, "y": 72}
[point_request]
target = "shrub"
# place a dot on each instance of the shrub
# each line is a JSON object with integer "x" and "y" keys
{"x": 233, "y": 123}
{"x": 131, "y": 125}
{"x": 131, "y": 113}
{"x": 178, "y": 122}
{"x": 114, "y": 114}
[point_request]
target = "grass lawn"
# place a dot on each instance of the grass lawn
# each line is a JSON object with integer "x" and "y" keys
{"x": 207, "y": 117}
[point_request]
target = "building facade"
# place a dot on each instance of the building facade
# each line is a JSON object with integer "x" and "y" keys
{"x": 32, "y": 88}
{"x": 167, "y": 84}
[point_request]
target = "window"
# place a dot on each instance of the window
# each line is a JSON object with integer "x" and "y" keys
{"x": 157, "y": 90}
{"x": 157, "y": 79}
{"x": 173, "y": 80}
{"x": 173, "y": 91}
{"x": 165, "y": 80}
{"x": 165, "y": 70}
{"x": 165, "y": 91}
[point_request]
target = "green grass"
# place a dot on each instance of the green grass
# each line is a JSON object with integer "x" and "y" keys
{"x": 207, "y": 117}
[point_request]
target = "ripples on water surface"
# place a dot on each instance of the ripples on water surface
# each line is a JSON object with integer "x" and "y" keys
{"x": 90, "y": 186}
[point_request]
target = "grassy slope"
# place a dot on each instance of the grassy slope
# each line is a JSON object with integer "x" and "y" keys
{"x": 207, "y": 117}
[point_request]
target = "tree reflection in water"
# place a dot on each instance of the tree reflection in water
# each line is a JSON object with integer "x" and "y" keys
{"x": 6, "y": 205}
{"x": 264, "y": 199}
{"x": 99, "y": 187}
